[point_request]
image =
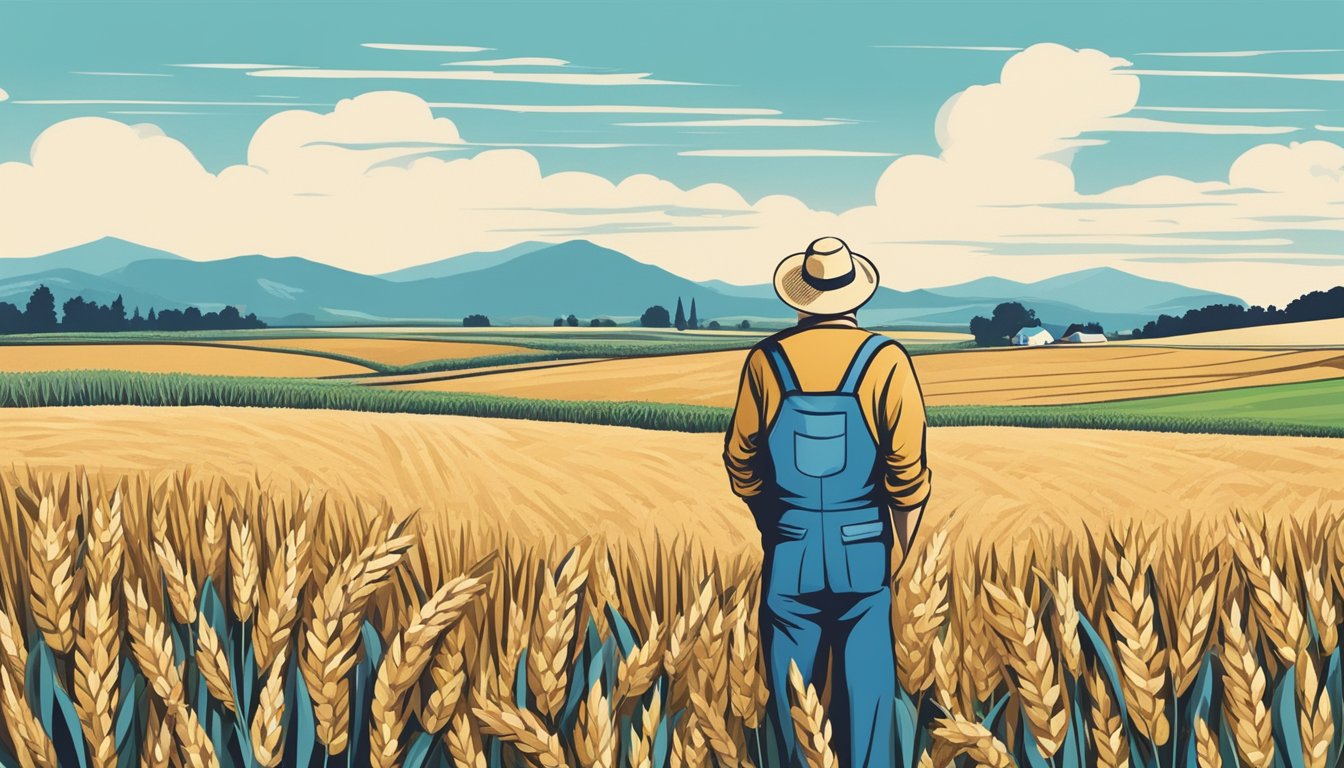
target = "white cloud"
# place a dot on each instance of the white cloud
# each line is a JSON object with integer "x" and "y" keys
{"x": 4, "y": 95}
{"x": 160, "y": 103}
{"x": 1329, "y": 77}
{"x": 1239, "y": 54}
{"x": 544, "y": 78}
{"x": 1146, "y": 125}
{"x": 239, "y": 66}
{"x": 989, "y": 48}
{"x": 782, "y": 153}
{"x": 1330, "y": 128}
{"x": 630, "y": 109}
{"x": 426, "y": 48}
{"x": 766, "y": 122}
{"x": 1225, "y": 110}
{"x": 518, "y": 61}
{"x": 368, "y": 186}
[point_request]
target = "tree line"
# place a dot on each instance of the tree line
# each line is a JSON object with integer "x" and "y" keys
{"x": 1010, "y": 317}
{"x": 1317, "y": 305}
{"x": 81, "y": 315}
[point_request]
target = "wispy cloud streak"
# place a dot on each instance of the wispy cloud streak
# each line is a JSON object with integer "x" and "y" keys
{"x": 781, "y": 153}
{"x": 543, "y": 78}
{"x": 749, "y": 122}
{"x": 418, "y": 48}
{"x": 1238, "y": 54}
{"x": 628, "y": 109}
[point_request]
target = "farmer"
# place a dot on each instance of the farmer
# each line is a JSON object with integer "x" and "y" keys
{"x": 827, "y": 450}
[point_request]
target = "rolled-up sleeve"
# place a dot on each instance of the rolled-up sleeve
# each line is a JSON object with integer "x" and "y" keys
{"x": 740, "y": 445}
{"x": 907, "y": 478}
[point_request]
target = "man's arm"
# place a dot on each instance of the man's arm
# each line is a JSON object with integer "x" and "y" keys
{"x": 907, "y": 479}
{"x": 740, "y": 444}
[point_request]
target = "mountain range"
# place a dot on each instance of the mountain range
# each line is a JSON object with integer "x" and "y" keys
{"x": 536, "y": 282}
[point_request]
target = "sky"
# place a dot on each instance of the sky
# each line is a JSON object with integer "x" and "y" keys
{"x": 1190, "y": 141}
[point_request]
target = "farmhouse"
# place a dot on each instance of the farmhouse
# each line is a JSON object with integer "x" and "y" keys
{"x": 1032, "y": 337}
{"x": 1080, "y": 337}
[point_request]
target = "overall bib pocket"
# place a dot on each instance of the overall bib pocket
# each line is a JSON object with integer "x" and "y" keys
{"x": 819, "y": 448}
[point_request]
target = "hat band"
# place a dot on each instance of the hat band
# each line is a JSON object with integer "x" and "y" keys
{"x": 830, "y": 283}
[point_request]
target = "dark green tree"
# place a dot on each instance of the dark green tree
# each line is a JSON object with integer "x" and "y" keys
{"x": 693, "y": 322}
{"x": 681, "y": 316}
{"x": 572, "y": 321}
{"x": 655, "y": 317}
{"x": 11, "y": 318}
{"x": 40, "y": 314}
{"x": 475, "y": 321}
{"x": 1007, "y": 319}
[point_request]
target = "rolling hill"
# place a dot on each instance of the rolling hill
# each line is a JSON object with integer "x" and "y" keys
{"x": 534, "y": 283}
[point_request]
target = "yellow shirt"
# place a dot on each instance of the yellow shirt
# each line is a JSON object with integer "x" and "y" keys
{"x": 888, "y": 393}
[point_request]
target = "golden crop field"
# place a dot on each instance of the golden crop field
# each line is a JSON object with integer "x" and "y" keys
{"x": 1028, "y": 376}
{"x": 545, "y": 480}
{"x": 237, "y": 624}
{"x": 170, "y": 358}
{"x": 1314, "y": 333}
{"x": 387, "y": 351}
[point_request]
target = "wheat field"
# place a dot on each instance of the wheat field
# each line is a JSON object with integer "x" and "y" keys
{"x": 1031, "y": 376}
{"x": 547, "y": 480}
{"x": 182, "y": 621}
{"x": 171, "y": 358}
{"x": 380, "y": 350}
{"x": 1312, "y": 333}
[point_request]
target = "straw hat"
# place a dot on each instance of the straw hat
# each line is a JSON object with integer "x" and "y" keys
{"x": 826, "y": 279}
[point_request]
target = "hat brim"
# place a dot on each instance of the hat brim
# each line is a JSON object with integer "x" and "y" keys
{"x": 795, "y": 291}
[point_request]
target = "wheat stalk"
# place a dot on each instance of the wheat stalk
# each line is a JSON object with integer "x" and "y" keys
{"x": 181, "y": 589}
{"x": 921, "y": 606}
{"x": 523, "y": 730}
{"x": 1142, "y": 663}
{"x": 279, "y": 603}
{"x": 747, "y": 692}
{"x": 1314, "y": 713}
{"x": 1276, "y": 610}
{"x": 464, "y": 744}
{"x": 25, "y": 731}
{"x": 595, "y": 732}
{"x": 1108, "y": 731}
{"x": 51, "y": 576}
{"x": 268, "y": 745}
{"x": 810, "y": 726}
{"x": 214, "y": 665}
{"x": 447, "y": 675}
{"x": 243, "y": 568}
{"x": 405, "y": 661}
{"x": 1244, "y": 695}
{"x": 964, "y": 737}
{"x": 1027, "y": 652}
{"x": 553, "y": 633}
{"x": 98, "y": 642}
{"x": 328, "y": 652}
{"x": 1207, "y": 754}
{"x": 153, "y": 651}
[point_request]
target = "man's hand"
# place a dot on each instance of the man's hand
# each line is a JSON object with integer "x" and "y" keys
{"x": 905, "y": 524}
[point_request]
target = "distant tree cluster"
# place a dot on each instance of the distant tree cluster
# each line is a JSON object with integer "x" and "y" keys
{"x": 81, "y": 315}
{"x": 1093, "y": 327}
{"x": 475, "y": 321}
{"x": 1317, "y": 305}
{"x": 1007, "y": 319}
{"x": 573, "y": 321}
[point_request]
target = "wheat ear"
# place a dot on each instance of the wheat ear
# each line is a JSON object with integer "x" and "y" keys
{"x": 553, "y": 633}
{"x": 51, "y": 576}
{"x": 30, "y": 741}
{"x": 181, "y": 589}
{"x": 1027, "y": 652}
{"x": 447, "y": 677}
{"x": 1108, "y": 732}
{"x": 964, "y": 737}
{"x": 640, "y": 667}
{"x": 810, "y": 726}
{"x": 405, "y": 661}
{"x": 243, "y": 569}
{"x": 98, "y": 643}
{"x": 279, "y": 603}
{"x": 268, "y": 745}
{"x": 1207, "y": 754}
{"x": 214, "y": 665}
{"x": 921, "y": 606}
{"x": 747, "y": 692}
{"x": 1132, "y": 615}
{"x": 464, "y": 744}
{"x": 1244, "y": 695}
{"x": 522, "y": 729}
{"x": 1276, "y": 610}
{"x": 1314, "y": 713}
{"x": 595, "y": 732}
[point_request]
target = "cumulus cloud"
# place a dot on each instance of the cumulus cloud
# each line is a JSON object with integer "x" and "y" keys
{"x": 379, "y": 182}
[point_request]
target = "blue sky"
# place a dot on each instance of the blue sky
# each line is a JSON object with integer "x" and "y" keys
{"x": 858, "y": 83}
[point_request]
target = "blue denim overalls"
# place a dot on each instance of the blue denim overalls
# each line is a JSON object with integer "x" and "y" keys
{"x": 827, "y": 539}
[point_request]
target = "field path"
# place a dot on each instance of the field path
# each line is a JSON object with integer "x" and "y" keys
{"x": 546, "y": 479}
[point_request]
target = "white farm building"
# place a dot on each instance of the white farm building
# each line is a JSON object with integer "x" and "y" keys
{"x": 1032, "y": 337}
{"x": 1079, "y": 337}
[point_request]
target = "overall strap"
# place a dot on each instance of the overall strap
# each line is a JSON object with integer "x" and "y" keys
{"x": 781, "y": 366}
{"x": 862, "y": 358}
